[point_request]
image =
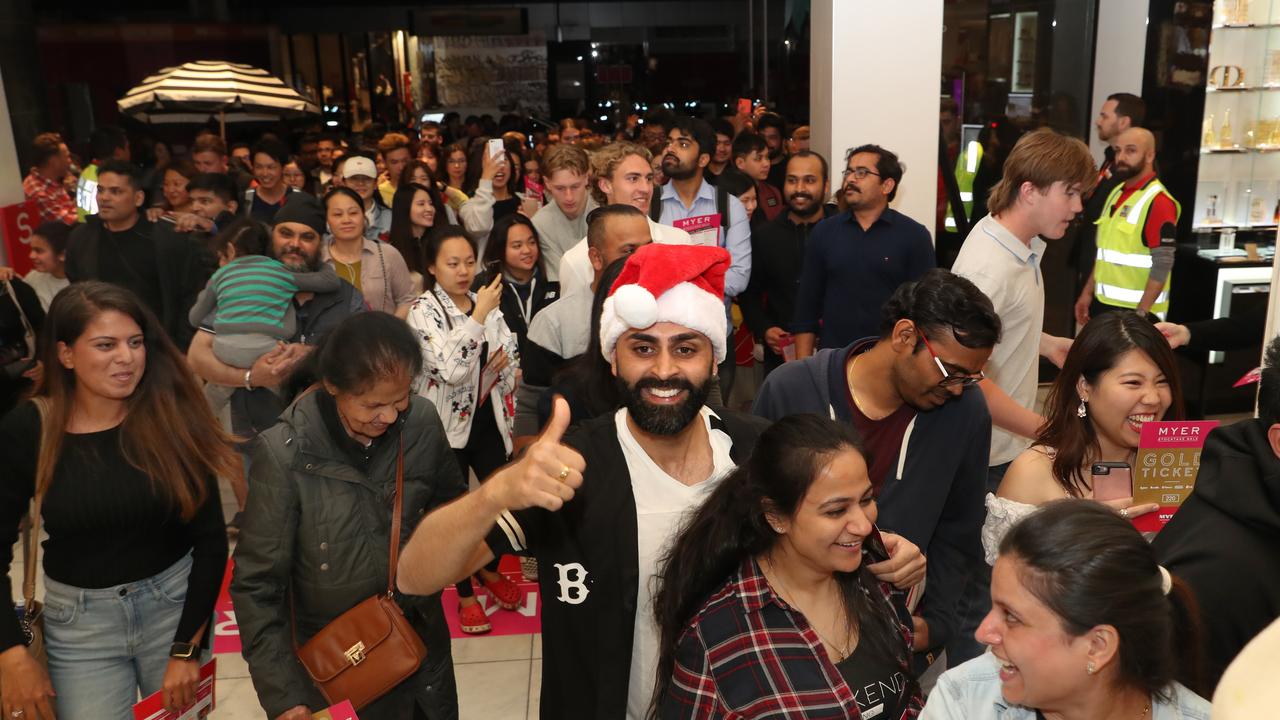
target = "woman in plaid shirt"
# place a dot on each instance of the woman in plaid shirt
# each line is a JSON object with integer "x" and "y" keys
{"x": 767, "y": 610}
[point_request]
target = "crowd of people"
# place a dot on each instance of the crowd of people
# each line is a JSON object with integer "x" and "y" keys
{"x": 378, "y": 318}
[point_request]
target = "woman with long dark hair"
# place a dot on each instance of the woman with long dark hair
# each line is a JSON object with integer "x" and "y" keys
{"x": 123, "y": 457}
{"x": 316, "y": 535}
{"x": 513, "y": 252}
{"x": 1119, "y": 374}
{"x": 766, "y": 605}
{"x": 415, "y": 209}
{"x": 1085, "y": 624}
{"x": 496, "y": 188}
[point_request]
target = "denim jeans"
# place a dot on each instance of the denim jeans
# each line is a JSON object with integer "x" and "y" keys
{"x": 105, "y": 645}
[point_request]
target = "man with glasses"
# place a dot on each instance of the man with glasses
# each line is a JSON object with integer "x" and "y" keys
{"x": 911, "y": 394}
{"x": 855, "y": 260}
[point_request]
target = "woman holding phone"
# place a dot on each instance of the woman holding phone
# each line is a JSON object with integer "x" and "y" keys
{"x": 513, "y": 254}
{"x": 1119, "y": 374}
{"x": 469, "y": 374}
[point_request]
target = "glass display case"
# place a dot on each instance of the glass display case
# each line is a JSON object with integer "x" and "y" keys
{"x": 1239, "y": 173}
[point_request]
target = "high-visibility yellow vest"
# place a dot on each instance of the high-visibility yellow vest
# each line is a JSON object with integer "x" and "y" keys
{"x": 966, "y": 170}
{"x": 87, "y": 193}
{"x": 1124, "y": 260}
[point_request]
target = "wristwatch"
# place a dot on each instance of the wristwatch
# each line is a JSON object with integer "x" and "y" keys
{"x": 184, "y": 651}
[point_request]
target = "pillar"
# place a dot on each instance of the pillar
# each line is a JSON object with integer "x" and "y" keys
{"x": 875, "y": 70}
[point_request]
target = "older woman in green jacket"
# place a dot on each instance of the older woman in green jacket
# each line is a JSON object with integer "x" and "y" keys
{"x": 317, "y": 524}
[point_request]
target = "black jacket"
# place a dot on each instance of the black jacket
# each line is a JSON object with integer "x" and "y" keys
{"x": 586, "y": 641}
{"x": 934, "y": 495}
{"x": 513, "y": 310}
{"x": 777, "y": 257}
{"x": 182, "y": 268}
{"x": 317, "y": 524}
{"x": 1225, "y": 541}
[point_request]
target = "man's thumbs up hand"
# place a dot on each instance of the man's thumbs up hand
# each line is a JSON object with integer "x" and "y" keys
{"x": 547, "y": 475}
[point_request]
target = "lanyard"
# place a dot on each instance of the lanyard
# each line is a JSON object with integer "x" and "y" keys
{"x": 526, "y": 308}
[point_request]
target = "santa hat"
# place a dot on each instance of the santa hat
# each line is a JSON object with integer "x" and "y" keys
{"x": 680, "y": 284}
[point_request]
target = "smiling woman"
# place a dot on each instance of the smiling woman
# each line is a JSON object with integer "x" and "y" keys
{"x": 122, "y": 457}
{"x": 1085, "y": 624}
{"x": 318, "y": 517}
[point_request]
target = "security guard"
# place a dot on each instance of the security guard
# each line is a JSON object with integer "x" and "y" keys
{"x": 1135, "y": 236}
{"x": 966, "y": 170}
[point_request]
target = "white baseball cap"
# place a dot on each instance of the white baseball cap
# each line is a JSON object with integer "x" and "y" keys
{"x": 359, "y": 165}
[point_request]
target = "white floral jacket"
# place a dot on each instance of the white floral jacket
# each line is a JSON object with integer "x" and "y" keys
{"x": 452, "y": 364}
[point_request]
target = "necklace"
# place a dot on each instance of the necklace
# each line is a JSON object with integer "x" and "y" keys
{"x": 854, "y": 395}
{"x": 842, "y": 651}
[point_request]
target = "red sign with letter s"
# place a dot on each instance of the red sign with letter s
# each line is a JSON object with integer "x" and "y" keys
{"x": 17, "y": 223}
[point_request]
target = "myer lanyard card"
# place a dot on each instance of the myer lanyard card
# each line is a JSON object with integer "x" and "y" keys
{"x": 1166, "y": 468}
{"x": 152, "y": 706}
{"x": 702, "y": 229}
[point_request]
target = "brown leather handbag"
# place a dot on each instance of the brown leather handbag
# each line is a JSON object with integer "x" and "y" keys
{"x": 371, "y": 648}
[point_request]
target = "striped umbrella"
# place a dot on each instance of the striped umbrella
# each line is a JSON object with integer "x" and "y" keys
{"x": 194, "y": 92}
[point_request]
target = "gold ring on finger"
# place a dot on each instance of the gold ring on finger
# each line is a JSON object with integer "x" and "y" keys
{"x": 564, "y": 473}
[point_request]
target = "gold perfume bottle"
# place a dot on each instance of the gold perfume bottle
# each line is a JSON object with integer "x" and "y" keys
{"x": 1224, "y": 135}
{"x": 1210, "y": 139}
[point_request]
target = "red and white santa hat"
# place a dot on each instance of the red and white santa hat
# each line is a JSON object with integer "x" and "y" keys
{"x": 680, "y": 284}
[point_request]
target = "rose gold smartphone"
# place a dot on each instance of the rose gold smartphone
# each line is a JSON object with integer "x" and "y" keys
{"x": 1112, "y": 480}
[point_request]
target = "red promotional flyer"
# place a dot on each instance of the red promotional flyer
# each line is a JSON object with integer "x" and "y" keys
{"x": 152, "y": 706}
{"x": 1166, "y": 468}
{"x": 341, "y": 711}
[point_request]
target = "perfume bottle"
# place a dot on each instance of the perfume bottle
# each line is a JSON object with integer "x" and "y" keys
{"x": 1210, "y": 138}
{"x": 1224, "y": 136}
{"x": 1211, "y": 212}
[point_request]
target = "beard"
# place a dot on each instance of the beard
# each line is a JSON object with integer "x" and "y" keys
{"x": 664, "y": 420}
{"x": 807, "y": 206}
{"x": 672, "y": 168}
{"x": 1123, "y": 172}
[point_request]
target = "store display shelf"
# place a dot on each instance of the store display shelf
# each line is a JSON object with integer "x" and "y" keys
{"x": 1242, "y": 88}
{"x": 1245, "y": 26}
{"x": 1227, "y": 151}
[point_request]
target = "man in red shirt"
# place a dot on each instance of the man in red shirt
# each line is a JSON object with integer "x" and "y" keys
{"x": 46, "y": 182}
{"x": 1142, "y": 200}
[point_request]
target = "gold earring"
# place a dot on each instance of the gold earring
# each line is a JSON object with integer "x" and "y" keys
{"x": 1091, "y": 668}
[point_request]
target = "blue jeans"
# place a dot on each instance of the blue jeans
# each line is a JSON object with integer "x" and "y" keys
{"x": 105, "y": 645}
{"x": 975, "y": 602}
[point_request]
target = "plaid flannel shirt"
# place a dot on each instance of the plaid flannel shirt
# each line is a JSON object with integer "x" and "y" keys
{"x": 748, "y": 654}
{"x": 54, "y": 204}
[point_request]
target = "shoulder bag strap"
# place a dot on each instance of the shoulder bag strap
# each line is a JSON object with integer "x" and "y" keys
{"x": 31, "y": 536}
{"x": 29, "y": 335}
{"x": 395, "y": 518}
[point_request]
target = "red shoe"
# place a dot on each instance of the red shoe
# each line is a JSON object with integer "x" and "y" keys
{"x": 504, "y": 592}
{"x": 473, "y": 620}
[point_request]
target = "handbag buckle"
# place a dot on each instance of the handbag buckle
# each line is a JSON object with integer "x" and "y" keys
{"x": 355, "y": 654}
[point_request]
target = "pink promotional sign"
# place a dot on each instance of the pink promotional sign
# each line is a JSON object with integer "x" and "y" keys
{"x": 702, "y": 229}
{"x": 1175, "y": 434}
{"x": 1166, "y": 468}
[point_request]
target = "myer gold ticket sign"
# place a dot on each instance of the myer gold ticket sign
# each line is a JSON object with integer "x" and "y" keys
{"x": 1167, "y": 465}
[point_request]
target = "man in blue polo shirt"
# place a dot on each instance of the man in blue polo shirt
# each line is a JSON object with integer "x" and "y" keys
{"x": 855, "y": 260}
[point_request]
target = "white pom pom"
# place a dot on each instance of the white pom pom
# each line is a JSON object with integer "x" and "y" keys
{"x": 635, "y": 306}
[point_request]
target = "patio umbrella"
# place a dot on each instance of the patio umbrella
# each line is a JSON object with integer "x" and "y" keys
{"x": 196, "y": 91}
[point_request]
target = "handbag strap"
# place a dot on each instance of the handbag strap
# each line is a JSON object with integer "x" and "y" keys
{"x": 28, "y": 334}
{"x": 397, "y": 505}
{"x": 31, "y": 535}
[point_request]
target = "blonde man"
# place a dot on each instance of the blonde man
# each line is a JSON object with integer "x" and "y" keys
{"x": 563, "y": 221}
{"x": 622, "y": 174}
{"x": 1039, "y": 195}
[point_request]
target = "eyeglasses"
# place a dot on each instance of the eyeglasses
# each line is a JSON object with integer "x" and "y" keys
{"x": 858, "y": 173}
{"x": 949, "y": 380}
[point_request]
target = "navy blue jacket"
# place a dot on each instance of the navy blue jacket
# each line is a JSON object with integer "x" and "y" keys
{"x": 935, "y": 493}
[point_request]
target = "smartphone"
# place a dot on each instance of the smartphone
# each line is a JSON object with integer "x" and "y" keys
{"x": 1112, "y": 480}
{"x": 496, "y": 149}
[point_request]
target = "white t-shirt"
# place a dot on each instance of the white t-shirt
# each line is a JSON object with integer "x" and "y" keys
{"x": 662, "y": 503}
{"x": 1008, "y": 271}
{"x": 45, "y": 285}
{"x": 575, "y": 266}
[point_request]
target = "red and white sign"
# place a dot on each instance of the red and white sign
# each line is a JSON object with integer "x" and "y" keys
{"x": 1166, "y": 468}
{"x": 702, "y": 229}
{"x": 152, "y": 706}
{"x": 226, "y": 633}
{"x": 17, "y": 223}
{"x": 341, "y": 711}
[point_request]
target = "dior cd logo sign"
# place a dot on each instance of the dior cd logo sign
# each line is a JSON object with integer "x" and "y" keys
{"x": 573, "y": 586}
